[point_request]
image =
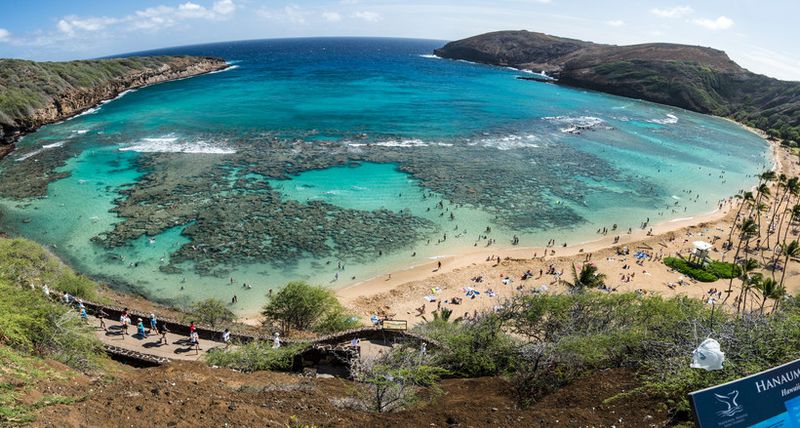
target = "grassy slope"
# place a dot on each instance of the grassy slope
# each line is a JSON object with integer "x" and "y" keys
{"x": 27, "y": 85}
{"x": 34, "y": 331}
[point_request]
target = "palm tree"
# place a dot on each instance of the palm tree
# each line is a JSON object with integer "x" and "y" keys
{"x": 762, "y": 192}
{"x": 791, "y": 187}
{"x": 749, "y": 283}
{"x": 766, "y": 176}
{"x": 792, "y": 250}
{"x": 748, "y": 266}
{"x": 769, "y": 289}
{"x": 747, "y": 198}
{"x": 794, "y": 215}
{"x": 748, "y": 228}
{"x": 588, "y": 277}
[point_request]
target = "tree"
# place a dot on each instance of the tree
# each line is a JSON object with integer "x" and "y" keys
{"x": 588, "y": 277}
{"x": 791, "y": 187}
{"x": 391, "y": 382}
{"x": 794, "y": 215}
{"x": 212, "y": 311}
{"x": 747, "y": 198}
{"x": 302, "y": 306}
{"x": 769, "y": 289}
{"x": 748, "y": 229}
{"x": 792, "y": 250}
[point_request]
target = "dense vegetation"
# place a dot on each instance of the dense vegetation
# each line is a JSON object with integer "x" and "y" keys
{"x": 543, "y": 342}
{"x": 256, "y": 355}
{"x": 67, "y": 87}
{"x": 691, "y": 77}
{"x": 33, "y": 326}
{"x": 709, "y": 272}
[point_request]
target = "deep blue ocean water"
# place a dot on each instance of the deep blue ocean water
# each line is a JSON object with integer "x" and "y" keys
{"x": 552, "y": 161}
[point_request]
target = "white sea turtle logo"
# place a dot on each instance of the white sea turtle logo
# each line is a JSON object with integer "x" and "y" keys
{"x": 730, "y": 400}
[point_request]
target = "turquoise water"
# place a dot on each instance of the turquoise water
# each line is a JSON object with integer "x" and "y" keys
{"x": 311, "y": 153}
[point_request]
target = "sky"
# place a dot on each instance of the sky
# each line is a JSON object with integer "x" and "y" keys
{"x": 761, "y": 35}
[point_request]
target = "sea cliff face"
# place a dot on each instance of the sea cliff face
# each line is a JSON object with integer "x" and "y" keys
{"x": 34, "y": 94}
{"x": 693, "y": 77}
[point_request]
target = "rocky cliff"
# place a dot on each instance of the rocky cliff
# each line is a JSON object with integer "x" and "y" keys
{"x": 692, "y": 77}
{"x": 33, "y": 94}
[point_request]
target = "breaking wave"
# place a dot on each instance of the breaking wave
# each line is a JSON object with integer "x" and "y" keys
{"x": 669, "y": 120}
{"x": 509, "y": 142}
{"x": 430, "y": 56}
{"x": 576, "y": 124}
{"x": 230, "y": 67}
{"x": 411, "y": 142}
{"x": 39, "y": 150}
{"x": 91, "y": 110}
{"x": 172, "y": 145}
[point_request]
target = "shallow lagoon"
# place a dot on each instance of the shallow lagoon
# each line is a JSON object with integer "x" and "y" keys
{"x": 330, "y": 130}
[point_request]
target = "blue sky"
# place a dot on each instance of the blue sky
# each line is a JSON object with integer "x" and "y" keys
{"x": 761, "y": 35}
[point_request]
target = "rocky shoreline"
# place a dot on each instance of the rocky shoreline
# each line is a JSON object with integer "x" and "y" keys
{"x": 77, "y": 99}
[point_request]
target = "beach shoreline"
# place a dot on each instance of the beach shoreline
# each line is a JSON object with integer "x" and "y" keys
{"x": 385, "y": 293}
{"x": 395, "y": 281}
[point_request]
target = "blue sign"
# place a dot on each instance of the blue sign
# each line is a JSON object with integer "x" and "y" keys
{"x": 770, "y": 399}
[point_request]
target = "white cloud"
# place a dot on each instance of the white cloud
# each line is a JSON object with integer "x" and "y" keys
{"x": 224, "y": 7}
{"x": 193, "y": 10}
{"x": 367, "y": 16}
{"x": 291, "y": 13}
{"x": 4, "y": 35}
{"x": 295, "y": 14}
{"x": 721, "y": 23}
{"x": 673, "y": 12}
{"x": 70, "y": 24}
{"x": 616, "y": 23}
{"x": 151, "y": 18}
{"x": 64, "y": 26}
{"x": 332, "y": 16}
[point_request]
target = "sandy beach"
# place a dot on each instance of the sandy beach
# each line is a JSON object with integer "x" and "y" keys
{"x": 413, "y": 293}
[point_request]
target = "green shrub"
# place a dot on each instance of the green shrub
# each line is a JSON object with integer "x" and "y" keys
{"x": 472, "y": 348}
{"x": 302, "y": 306}
{"x": 33, "y": 324}
{"x": 682, "y": 266}
{"x": 724, "y": 269}
{"x": 565, "y": 337}
{"x": 391, "y": 381}
{"x": 257, "y": 355}
{"x": 26, "y": 263}
{"x": 211, "y": 311}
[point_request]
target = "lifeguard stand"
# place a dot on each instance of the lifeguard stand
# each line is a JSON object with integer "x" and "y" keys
{"x": 699, "y": 256}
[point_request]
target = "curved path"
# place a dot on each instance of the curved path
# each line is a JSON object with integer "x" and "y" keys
{"x": 176, "y": 348}
{"x": 152, "y": 351}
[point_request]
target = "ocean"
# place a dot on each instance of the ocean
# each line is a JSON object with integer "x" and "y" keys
{"x": 334, "y": 160}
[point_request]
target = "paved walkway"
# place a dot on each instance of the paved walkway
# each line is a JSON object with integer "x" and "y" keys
{"x": 177, "y": 347}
